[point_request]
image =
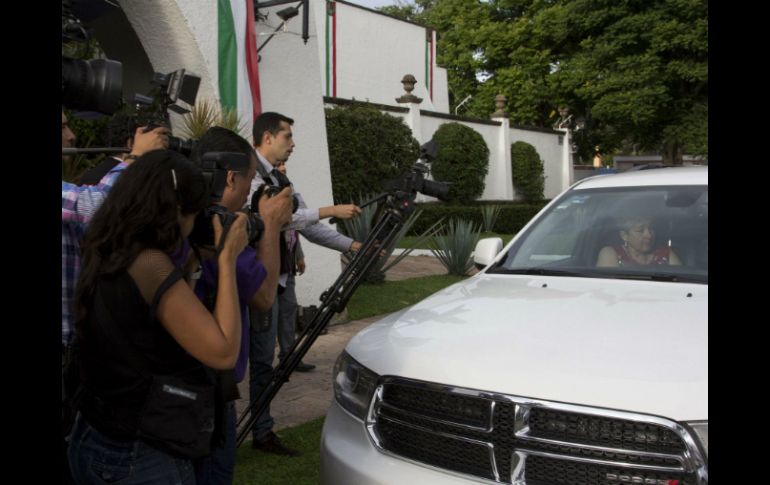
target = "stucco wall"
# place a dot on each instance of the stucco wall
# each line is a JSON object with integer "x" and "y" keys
{"x": 549, "y": 149}
{"x": 375, "y": 51}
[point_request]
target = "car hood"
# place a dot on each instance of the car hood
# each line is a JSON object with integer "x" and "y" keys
{"x": 630, "y": 345}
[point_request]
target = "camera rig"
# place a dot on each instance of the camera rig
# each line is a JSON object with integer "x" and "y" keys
{"x": 395, "y": 206}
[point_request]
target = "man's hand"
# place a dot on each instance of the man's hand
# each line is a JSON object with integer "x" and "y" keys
{"x": 277, "y": 209}
{"x": 355, "y": 246}
{"x": 346, "y": 211}
{"x": 152, "y": 140}
{"x": 301, "y": 266}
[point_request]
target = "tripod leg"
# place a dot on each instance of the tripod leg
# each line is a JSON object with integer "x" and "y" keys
{"x": 333, "y": 300}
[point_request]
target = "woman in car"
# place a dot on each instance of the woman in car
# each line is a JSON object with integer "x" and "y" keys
{"x": 638, "y": 248}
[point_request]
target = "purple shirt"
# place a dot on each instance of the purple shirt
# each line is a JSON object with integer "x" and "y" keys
{"x": 249, "y": 275}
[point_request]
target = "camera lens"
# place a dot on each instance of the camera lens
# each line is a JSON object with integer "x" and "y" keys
{"x": 439, "y": 190}
{"x": 95, "y": 85}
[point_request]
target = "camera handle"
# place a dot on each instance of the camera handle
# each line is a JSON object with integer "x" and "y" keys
{"x": 395, "y": 210}
{"x": 334, "y": 220}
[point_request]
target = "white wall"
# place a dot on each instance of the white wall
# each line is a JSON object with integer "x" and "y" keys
{"x": 375, "y": 51}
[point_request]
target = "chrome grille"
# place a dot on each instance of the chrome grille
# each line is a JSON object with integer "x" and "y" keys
{"x": 510, "y": 439}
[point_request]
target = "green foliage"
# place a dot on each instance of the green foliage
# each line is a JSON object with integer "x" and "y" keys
{"x": 455, "y": 244}
{"x": 205, "y": 114}
{"x": 490, "y": 213}
{"x": 513, "y": 215}
{"x": 90, "y": 134}
{"x": 371, "y": 300}
{"x": 366, "y": 149}
{"x": 635, "y": 71}
{"x": 462, "y": 161}
{"x": 527, "y": 171}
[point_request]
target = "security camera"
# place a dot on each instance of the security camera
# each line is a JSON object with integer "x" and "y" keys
{"x": 287, "y": 13}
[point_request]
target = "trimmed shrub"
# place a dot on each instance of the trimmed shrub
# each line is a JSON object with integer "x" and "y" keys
{"x": 366, "y": 149}
{"x": 513, "y": 215}
{"x": 462, "y": 161}
{"x": 527, "y": 171}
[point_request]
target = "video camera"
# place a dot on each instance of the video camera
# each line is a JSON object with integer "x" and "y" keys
{"x": 97, "y": 85}
{"x": 215, "y": 166}
{"x": 93, "y": 85}
{"x": 271, "y": 191}
{"x": 153, "y": 110}
{"x": 415, "y": 181}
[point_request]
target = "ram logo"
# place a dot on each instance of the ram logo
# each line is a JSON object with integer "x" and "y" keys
{"x": 615, "y": 478}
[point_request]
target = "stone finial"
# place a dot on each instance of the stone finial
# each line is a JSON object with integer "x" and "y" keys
{"x": 409, "y": 81}
{"x": 500, "y": 100}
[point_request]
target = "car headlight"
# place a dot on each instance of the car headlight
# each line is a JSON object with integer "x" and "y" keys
{"x": 354, "y": 385}
{"x": 701, "y": 431}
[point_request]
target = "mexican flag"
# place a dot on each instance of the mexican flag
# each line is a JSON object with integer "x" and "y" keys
{"x": 237, "y": 53}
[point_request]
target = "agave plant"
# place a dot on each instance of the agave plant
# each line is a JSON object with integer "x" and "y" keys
{"x": 490, "y": 213}
{"x": 207, "y": 113}
{"x": 360, "y": 227}
{"x": 454, "y": 246}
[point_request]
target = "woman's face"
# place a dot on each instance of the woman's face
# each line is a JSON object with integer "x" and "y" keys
{"x": 640, "y": 236}
{"x": 186, "y": 223}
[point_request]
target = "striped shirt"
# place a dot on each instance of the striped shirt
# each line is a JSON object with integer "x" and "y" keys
{"x": 78, "y": 205}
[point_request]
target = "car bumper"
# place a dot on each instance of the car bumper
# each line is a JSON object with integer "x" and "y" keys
{"x": 348, "y": 456}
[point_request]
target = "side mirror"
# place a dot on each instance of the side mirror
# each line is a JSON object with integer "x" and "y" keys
{"x": 486, "y": 250}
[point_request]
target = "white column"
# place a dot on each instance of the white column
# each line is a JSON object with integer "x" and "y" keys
{"x": 567, "y": 170}
{"x": 499, "y": 177}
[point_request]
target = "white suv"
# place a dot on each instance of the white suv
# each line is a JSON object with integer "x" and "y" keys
{"x": 579, "y": 355}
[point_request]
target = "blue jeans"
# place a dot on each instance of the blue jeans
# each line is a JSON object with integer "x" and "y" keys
{"x": 261, "y": 352}
{"x": 96, "y": 459}
{"x": 287, "y": 318}
{"x": 218, "y": 468}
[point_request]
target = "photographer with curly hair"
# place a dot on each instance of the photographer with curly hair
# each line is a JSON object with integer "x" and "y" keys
{"x": 147, "y": 405}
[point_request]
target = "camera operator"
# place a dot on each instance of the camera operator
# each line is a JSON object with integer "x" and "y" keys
{"x": 79, "y": 203}
{"x": 256, "y": 280}
{"x": 273, "y": 143}
{"x": 144, "y": 336}
{"x": 78, "y": 206}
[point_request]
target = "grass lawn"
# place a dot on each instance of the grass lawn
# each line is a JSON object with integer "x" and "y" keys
{"x": 370, "y": 300}
{"x": 408, "y": 241}
{"x": 252, "y": 467}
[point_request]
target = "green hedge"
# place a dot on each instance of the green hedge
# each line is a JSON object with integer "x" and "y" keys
{"x": 462, "y": 161}
{"x": 366, "y": 149}
{"x": 527, "y": 170}
{"x": 513, "y": 215}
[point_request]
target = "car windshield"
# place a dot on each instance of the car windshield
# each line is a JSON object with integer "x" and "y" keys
{"x": 649, "y": 233}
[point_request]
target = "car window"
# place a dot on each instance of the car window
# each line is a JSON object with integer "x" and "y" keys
{"x": 625, "y": 232}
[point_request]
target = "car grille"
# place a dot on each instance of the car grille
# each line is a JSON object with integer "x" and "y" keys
{"x": 508, "y": 439}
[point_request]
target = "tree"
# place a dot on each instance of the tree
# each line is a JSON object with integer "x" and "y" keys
{"x": 635, "y": 70}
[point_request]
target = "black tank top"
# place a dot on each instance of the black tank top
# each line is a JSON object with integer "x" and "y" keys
{"x": 124, "y": 344}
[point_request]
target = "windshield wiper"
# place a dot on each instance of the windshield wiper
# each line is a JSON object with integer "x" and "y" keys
{"x": 544, "y": 272}
{"x": 668, "y": 277}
